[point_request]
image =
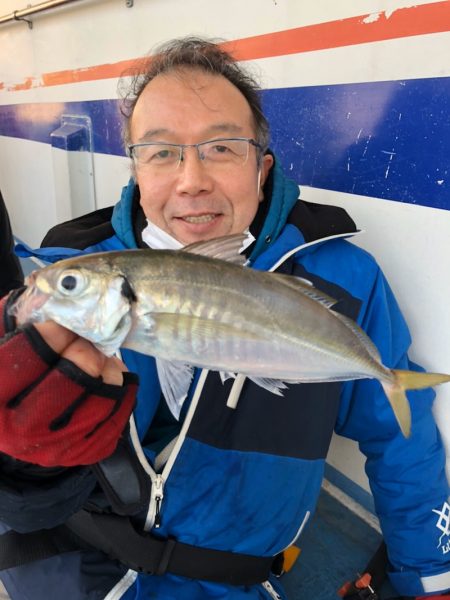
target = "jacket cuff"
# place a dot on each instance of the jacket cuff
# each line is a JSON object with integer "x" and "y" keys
{"x": 410, "y": 583}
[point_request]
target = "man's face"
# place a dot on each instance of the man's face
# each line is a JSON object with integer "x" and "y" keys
{"x": 197, "y": 201}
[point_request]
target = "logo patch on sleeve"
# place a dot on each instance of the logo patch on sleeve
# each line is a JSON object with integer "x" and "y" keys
{"x": 443, "y": 524}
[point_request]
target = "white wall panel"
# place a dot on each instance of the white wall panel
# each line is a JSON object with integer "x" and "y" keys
{"x": 412, "y": 243}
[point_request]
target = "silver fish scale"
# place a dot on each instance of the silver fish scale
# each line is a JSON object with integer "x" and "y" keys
{"x": 241, "y": 320}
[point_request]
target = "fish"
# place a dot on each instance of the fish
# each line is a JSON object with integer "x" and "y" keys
{"x": 202, "y": 307}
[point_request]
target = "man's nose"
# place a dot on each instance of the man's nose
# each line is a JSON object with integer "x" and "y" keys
{"x": 192, "y": 174}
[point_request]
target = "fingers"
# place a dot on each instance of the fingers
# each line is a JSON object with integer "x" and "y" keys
{"x": 82, "y": 353}
{"x": 113, "y": 371}
{"x": 85, "y": 356}
{"x": 95, "y": 363}
{"x": 56, "y": 336}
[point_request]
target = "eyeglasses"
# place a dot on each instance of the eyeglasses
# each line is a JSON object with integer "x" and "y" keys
{"x": 161, "y": 157}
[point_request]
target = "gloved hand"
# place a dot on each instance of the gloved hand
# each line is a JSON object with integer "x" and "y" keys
{"x": 62, "y": 402}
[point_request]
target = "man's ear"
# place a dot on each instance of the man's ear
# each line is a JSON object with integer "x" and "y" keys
{"x": 266, "y": 165}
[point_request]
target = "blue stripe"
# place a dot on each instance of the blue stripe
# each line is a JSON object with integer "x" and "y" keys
{"x": 387, "y": 139}
{"x": 37, "y": 121}
{"x": 380, "y": 139}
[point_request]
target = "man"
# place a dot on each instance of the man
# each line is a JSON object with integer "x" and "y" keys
{"x": 205, "y": 502}
{"x": 11, "y": 275}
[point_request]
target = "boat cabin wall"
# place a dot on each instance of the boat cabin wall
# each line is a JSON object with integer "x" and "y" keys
{"x": 358, "y": 98}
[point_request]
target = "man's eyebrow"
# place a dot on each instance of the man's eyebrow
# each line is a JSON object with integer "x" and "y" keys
{"x": 154, "y": 133}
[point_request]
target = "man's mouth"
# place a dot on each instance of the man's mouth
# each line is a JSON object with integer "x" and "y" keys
{"x": 199, "y": 218}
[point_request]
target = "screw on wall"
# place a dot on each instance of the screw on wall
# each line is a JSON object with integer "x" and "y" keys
{"x": 129, "y": 3}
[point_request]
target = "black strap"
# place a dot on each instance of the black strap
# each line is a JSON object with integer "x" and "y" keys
{"x": 116, "y": 537}
{"x": 142, "y": 552}
{"x": 378, "y": 566}
{"x": 21, "y": 548}
{"x": 123, "y": 479}
{"x": 376, "y": 569}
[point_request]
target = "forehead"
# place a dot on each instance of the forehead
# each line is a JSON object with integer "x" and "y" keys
{"x": 190, "y": 103}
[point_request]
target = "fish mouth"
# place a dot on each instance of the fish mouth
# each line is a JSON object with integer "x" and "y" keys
{"x": 26, "y": 309}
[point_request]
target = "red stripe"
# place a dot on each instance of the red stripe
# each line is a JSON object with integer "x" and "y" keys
{"x": 404, "y": 22}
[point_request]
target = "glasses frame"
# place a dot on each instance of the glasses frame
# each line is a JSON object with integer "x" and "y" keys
{"x": 182, "y": 147}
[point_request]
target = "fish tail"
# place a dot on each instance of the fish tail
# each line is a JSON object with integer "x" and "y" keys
{"x": 408, "y": 380}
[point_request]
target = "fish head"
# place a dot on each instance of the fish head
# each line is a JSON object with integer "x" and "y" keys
{"x": 95, "y": 304}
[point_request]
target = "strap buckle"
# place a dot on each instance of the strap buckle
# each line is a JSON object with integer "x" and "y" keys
{"x": 284, "y": 561}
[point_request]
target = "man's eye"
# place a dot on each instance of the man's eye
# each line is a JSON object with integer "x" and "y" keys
{"x": 163, "y": 154}
{"x": 221, "y": 149}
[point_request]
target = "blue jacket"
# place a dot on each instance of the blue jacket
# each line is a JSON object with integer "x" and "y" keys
{"x": 247, "y": 480}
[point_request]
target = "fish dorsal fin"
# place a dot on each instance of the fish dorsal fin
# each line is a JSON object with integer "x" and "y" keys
{"x": 306, "y": 288}
{"x": 362, "y": 337}
{"x": 226, "y": 248}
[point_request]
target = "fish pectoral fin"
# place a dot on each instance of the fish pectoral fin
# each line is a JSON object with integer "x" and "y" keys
{"x": 272, "y": 385}
{"x": 226, "y": 248}
{"x": 306, "y": 288}
{"x": 175, "y": 379}
{"x": 169, "y": 326}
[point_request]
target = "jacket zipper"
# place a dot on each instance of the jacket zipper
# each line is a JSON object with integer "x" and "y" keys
{"x": 154, "y": 517}
{"x": 157, "y": 496}
{"x": 299, "y": 531}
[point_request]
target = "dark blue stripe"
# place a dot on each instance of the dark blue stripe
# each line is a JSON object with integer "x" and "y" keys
{"x": 37, "y": 121}
{"x": 381, "y": 139}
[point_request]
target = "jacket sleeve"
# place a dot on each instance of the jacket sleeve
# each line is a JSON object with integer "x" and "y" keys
{"x": 407, "y": 475}
{"x": 11, "y": 275}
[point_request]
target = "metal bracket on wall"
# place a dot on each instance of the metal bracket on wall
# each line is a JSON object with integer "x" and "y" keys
{"x": 16, "y": 18}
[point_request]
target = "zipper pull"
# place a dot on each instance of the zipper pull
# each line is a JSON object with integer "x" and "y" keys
{"x": 157, "y": 492}
{"x": 157, "y": 522}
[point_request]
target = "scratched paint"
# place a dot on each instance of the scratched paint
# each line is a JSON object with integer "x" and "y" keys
{"x": 388, "y": 139}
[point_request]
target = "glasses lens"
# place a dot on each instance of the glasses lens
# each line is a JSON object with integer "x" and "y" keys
{"x": 225, "y": 151}
{"x": 157, "y": 156}
{"x": 161, "y": 158}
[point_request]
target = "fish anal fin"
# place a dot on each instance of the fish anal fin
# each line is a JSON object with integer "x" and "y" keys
{"x": 272, "y": 385}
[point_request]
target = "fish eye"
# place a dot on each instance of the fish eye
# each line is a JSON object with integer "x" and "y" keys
{"x": 71, "y": 281}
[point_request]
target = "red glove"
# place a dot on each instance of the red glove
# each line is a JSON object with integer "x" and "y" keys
{"x": 53, "y": 413}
